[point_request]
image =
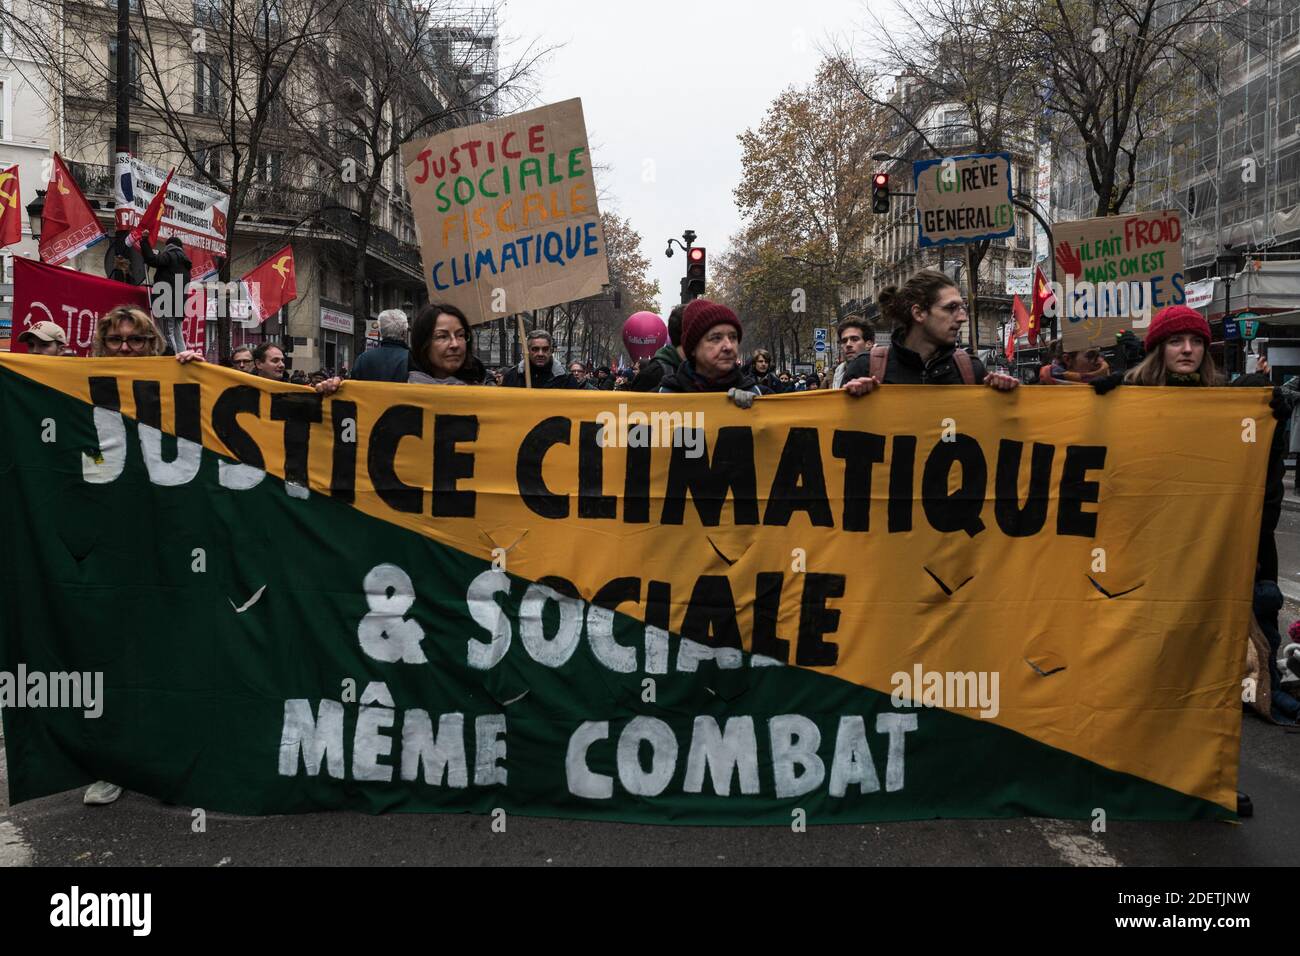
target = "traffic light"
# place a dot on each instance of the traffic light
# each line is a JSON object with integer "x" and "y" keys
{"x": 696, "y": 261}
{"x": 880, "y": 192}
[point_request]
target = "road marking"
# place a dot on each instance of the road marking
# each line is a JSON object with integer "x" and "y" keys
{"x": 14, "y": 850}
{"x": 1074, "y": 849}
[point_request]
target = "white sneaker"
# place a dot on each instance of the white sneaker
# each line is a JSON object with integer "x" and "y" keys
{"x": 101, "y": 793}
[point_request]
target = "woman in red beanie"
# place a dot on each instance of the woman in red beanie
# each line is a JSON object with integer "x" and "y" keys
{"x": 711, "y": 342}
{"x": 1177, "y": 351}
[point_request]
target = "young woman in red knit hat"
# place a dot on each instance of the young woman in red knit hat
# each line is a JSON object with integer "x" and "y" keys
{"x": 1178, "y": 351}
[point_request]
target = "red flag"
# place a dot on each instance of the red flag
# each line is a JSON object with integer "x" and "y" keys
{"x": 72, "y": 300}
{"x": 152, "y": 219}
{"x": 1021, "y": 327}
{"x": 1042, "y": 296}
{"x": 70, "y": 227}
{"x": 11, "y": 224}
{"x": 272, "y": 285}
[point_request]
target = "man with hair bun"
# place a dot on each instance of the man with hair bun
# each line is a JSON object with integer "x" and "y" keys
{"x": 927, "y": 314}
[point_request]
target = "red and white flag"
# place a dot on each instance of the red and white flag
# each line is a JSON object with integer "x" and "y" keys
{"x": 69, "y": 225}
{"x": 1043, "y": 295}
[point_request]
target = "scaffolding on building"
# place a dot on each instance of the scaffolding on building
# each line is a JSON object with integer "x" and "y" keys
{"x": 464, "y": 41}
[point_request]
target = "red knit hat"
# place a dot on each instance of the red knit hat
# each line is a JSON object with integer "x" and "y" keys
{"x": 702, "y": 315}
{"x": 1174, "y": 319}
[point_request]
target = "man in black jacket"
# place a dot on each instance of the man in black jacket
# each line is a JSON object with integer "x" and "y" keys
{"x": 664, "y": 363}
{"x": 547, "y": 372}
{"x": 391, "y": 362}
{"x": 171, "y": 281}
{"x": 928, "y": 313}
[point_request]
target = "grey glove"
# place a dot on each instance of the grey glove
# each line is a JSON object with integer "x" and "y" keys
{"x": 742, "y": 398}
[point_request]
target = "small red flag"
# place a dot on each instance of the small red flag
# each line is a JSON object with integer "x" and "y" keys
{"x": 1019, "y": 327}
{"x": 272, "y": 285}
{"x": 69, "y": 225}
{"x": 151, "y": 221}
{"x": 11, "y": 224}
{"x": 1042, "y": 296}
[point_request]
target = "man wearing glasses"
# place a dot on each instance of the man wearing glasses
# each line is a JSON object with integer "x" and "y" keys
{"x": 242, "y": 359}
{"x": 927, "y": 314}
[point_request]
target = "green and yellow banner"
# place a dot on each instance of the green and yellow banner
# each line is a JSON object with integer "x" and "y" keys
{"x": 927, "y": 602}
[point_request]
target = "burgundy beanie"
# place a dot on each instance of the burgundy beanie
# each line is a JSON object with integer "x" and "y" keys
{"x": 702, "y": 315}
{"x": 1174, "y": 319}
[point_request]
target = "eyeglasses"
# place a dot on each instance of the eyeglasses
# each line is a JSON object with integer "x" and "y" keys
{"x": 135, "y": 342}
{"x": 952, "y": 308}
{"x": 442, "y": 335}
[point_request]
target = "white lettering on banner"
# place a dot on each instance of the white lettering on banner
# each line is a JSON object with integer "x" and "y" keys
{"x": 310, "y": 742}
{"x": 794, "y": 739}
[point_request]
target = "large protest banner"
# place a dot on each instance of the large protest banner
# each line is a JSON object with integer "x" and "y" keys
{"x": 193, "y": 211}
{"x": 963, "y": 199}
{"x": 506, "y": 213}
{"x": 451, "y": 599}
{"x": 75, "y": 301}
{"x": 1115, "y": 273}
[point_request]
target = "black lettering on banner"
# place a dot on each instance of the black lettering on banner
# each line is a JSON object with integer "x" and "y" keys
{"x": 636, "y": 485}
{"x": 395, "y": 423}
{"x": 817, "y": 620}
{"x": 343, "y": 473}
{"x": 711, "y": 613}
{"x": 658, "y": 595}
{"x": 959, "y": 511}
{"x": 861, "y": 452}
{"x": 732, "y": 467}
{"x": 298, "y": 412}
{"x": 528, "y": 467}
{"x": 1076, "y": 490}
{"x": 591, "y": 475}
{"x": 800, "y": 482}
{"x": 1015, "y": 521}
{"x": 767, "y": 605}
{"x": 232, "y": 402}
{"x": 185, "y": 396}
{"x": 450, "y": 465}
{"x": 103, "y": 392}
{"x": 902, "y": 475}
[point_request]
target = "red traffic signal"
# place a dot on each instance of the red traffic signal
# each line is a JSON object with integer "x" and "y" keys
{"x": 697, "y": 255}
{"x": 880, "y": 192}
{"x": 695, "y": 270}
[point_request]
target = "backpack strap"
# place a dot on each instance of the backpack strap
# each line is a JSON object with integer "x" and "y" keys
{"x": 964, "y": 366}
{"x": 879, "y": 361}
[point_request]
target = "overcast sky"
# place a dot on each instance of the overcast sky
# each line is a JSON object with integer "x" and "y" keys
{"x": 666, "y": 88}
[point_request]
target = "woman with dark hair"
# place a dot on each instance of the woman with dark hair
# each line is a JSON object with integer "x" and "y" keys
{"x": 442, "y": 348}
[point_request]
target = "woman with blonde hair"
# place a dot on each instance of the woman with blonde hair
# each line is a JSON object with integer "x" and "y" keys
{"x": 128, "y": 331}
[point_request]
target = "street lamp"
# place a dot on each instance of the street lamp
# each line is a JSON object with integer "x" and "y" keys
{"x": 1228, "y": 264}
{"x": 35, "y": 213}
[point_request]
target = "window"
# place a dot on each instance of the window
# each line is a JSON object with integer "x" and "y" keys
{"x": 207, "y": 12}
{"x": 4, "y": 110}
{"x": 268, "y": 17}
{"x": 133, "y": 69}
{"x": 268, "y": 167}
{"x": 207, "y": 84}
{"x": 208, "y": 159}
{"x": 134, "y": 145}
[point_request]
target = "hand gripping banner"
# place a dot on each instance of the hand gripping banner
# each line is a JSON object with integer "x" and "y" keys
{"x": 929, "y": 602}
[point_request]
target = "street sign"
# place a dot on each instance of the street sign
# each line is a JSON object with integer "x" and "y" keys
{"x": 1230, "y": 331}
{"x": 819, "y": 340}
{"x": 1249, "y": 328}
{"x": 963, "y": 199}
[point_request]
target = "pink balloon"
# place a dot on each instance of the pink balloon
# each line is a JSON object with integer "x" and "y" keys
{"x": 644, "y": 334}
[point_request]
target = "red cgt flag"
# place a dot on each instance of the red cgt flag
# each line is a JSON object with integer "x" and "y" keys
{"x": 1042, "y": 295}
{"x": 1021, "y": 327}
{"x": 152, "y": 219}
{"x": 272, "y": 285}
{"x": 11, "y": 224}
{"x": 70, "y": 226}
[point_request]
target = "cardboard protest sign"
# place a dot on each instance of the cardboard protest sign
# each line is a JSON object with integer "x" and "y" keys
{"x": 1115, "y": 273}
{"x": 506, "y": 213}
{"x": 963, "y": 199}
{"x": 192, "y": 211}
{"x": 647, "y": 539}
